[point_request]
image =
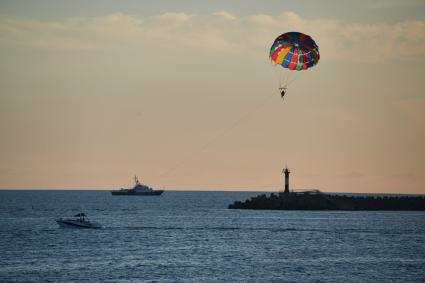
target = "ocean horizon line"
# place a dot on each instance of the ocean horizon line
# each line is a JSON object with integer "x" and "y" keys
{"x": 209, "y": 190}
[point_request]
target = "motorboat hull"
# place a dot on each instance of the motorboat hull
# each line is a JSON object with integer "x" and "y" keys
{"x": 71, "y": 223}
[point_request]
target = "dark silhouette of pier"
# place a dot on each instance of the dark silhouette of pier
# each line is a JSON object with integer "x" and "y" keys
{"x": 316, "y": 200}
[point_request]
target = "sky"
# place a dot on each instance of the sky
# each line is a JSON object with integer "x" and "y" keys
{"x": 183, "y": 94}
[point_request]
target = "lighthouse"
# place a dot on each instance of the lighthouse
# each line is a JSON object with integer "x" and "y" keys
{"x": 286, "y": 172}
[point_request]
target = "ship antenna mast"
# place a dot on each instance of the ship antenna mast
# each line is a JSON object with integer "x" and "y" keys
{"x": 136, "y": 180}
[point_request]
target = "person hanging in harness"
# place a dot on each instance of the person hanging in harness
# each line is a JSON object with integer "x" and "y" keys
{"x": 282, "y": 91}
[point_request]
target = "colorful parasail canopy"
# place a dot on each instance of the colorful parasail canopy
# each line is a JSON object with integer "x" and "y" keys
{"x": 294, "y": 51}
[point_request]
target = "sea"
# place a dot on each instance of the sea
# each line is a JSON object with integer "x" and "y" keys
{"x": 191, "y": 236}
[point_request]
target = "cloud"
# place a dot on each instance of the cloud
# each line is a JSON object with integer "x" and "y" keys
{"x": 72, "y": 33}
{"x": 174, "y": 19}
{"x": 225, "y": 15}
{"x": 220, "y": 32}
{"x": 382, "y": 4}
{"x": 263, "y": 21}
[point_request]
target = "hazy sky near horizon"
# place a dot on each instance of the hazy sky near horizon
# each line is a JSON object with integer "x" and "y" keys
{"x": 182, "y": 93}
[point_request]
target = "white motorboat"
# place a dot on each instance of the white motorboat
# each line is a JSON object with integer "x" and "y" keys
{"x": 79, "y": 220}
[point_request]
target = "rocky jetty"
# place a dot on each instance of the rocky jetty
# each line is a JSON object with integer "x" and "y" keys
{"x": 316, "y": 200}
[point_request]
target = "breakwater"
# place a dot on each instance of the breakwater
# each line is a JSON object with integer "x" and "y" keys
{"x": 321, "y": 201}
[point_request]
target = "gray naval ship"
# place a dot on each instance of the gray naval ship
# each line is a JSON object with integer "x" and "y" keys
{"x": 138, "y": 190}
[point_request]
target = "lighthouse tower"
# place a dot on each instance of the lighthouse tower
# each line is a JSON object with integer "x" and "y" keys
{"x": 286, "y": 172}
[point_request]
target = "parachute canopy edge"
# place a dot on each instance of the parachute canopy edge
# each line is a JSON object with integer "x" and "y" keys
{"x": 294, "y": 51}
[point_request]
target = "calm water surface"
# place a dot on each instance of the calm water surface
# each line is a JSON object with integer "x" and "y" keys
{"x": 193, "y": 237}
